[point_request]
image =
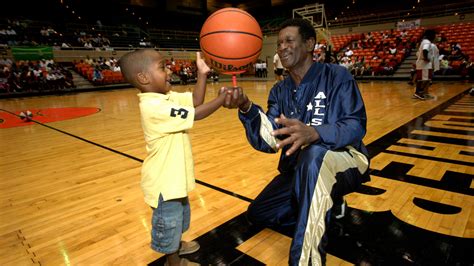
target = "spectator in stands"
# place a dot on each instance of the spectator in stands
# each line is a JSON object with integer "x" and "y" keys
{"x": 65, "y": 45}
{"x": 369, "y": 39}
{"x": 322, "y": 55}
{"x": 392, "y": 50}
{"x": 105, "y": 42}
{"x": 392, "y": 33}
{"x": 359, "y": 66}
{"x": 88, "y": 60}
{"x": 318, "y": 45}
{"x": 347, "y": 63}
{"x": 386, "y": 68}
{"x": 116, "y": 68}
{"x": 14, "y": 81}
{"x": 11, "y": 36}
{"x": 470, "y": 71}
{"x": 456, "y": 46}
{"x": 464, "y": 67}
{"x": 369, "y": 36}
{"x": 44, "y": 35}
{"x": 5, "y": 62}
{"x": 97, "y": 76}
{"x": 444, "y": 67}
{"x": 456, "y": 54}
{"x": 183, "y": 75}
{"x": 4, "y": 86}
{"x": 68, "y": 78}
{"x": 52, "y": 79}
{"x": 88, "y": 45}
{"x": 3, "y": 36}
{"x": 348, "y": 52}
{"x": 443, "y": 37}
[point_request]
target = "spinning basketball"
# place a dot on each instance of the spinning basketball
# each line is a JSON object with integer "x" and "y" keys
{"x": 231, "y": 39}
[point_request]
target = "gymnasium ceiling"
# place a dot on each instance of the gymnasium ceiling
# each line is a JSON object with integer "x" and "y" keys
{"x": 190, "y": 14}
{"x": 248, "y": 5}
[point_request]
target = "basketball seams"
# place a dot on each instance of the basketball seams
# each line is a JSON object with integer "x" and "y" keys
{"x": 231, "y": 58}
{"x": 231, "y": 31}
{"x": 230, "y": 9}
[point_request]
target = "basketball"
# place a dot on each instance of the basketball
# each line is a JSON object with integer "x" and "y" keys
{"x": 231, "y": 39}
{"x": 26, "y": 116}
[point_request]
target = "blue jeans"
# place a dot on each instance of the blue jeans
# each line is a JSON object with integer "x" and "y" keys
{"x": 169, "y": 220}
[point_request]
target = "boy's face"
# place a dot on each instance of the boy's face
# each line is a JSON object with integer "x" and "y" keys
{"x": 157, "y": 74}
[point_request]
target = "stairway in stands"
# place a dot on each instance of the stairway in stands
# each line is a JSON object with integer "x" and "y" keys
{"x": 404, "y": 69}
{"x": 80, "y": 81}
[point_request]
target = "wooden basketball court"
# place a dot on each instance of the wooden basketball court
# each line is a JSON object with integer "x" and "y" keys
{"x": 70, "y": 193}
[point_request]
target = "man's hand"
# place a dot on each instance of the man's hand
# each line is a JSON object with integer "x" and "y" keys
{"x": 298, "y": 133}
{"x": 235, "y": 98}
{"x": 203, "y": 68}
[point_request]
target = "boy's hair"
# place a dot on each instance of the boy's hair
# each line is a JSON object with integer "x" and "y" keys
{"x": 305, "y": 29}
{"x": 135, "y": 62}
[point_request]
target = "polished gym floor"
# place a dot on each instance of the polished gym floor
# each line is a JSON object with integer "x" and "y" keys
{"x": 70, "y": 193}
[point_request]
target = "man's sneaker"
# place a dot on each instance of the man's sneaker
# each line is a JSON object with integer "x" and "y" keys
{"x": 340, "y": 211}
{"x": 418, "y": 96}
{"x": 185, "y": 262}
{"x": 188, "y": 247}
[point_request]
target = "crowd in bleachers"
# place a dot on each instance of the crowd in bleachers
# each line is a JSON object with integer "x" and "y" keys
{"x": 456, "y": 48}
{"x": 104, "y": 71}
{"x": 93, "y": 37}
{"x": 32, "y": 33}
{"x": 100, "y": 71}
{"x": 184, "y": 71}
{"x": 33, "y": 76}
{"x": 382, "y": 52}
{"x": 373, "y": 53}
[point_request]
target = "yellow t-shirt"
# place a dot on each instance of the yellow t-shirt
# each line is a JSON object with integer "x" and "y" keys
{"x": 168, "y": 168}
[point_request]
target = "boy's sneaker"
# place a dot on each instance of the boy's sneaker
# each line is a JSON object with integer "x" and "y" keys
{"x": 188, "y": 247}
{"x": 418, "y": 96}
{"x": 186, "y": 262}
{"x": 429, "y": 96}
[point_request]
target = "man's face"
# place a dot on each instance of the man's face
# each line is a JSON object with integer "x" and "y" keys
{"x": 291, "y": 48}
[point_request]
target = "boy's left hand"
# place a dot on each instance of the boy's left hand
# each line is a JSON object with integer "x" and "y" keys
{"x": 202, "y": 67}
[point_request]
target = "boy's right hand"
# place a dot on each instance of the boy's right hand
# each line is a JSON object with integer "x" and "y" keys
{"x": 202, "y": 67}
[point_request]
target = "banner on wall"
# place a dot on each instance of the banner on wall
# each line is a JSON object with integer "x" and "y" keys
{"x": 408, "y": 25}
{"x": 32, "y": 53}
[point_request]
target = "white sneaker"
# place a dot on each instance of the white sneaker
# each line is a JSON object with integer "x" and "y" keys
{"x": 343, "y": 211}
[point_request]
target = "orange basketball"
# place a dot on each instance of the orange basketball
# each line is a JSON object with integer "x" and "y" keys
{"x": 231, "y": 39}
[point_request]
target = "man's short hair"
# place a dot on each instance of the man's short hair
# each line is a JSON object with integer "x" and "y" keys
{"x": 305, "y": 29}
{"x": 430, "y": 34}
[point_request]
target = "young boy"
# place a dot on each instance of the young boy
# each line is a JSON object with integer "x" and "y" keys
{"x": 168, "y": 170}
